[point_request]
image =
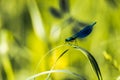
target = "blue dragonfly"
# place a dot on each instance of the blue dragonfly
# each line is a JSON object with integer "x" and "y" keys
{"x": 81, "y": 34}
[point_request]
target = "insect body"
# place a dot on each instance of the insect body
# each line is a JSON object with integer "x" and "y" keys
{"x": 81, "y": 34}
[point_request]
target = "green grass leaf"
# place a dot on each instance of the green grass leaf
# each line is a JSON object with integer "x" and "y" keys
{"x": 54, "y": 71}
{"x": 56, "y": 63}
{"x": 92, "y": 61}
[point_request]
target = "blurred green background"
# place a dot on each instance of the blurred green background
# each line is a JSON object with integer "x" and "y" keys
{"x": 28, "y": 31}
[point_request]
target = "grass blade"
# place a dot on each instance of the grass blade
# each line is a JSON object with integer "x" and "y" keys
{"x": 55, "y": 71}
{"x": 56, "y": 63}
{"x": 49, "y": 52}
{"x": 92, "y": 61}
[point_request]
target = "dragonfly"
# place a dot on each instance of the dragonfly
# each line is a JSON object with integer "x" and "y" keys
{"x": 82, "y": 33}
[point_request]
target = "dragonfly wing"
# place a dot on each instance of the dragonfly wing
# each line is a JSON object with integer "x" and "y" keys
{"x": 64, "y": 5}
{"x": 55, "y": 12}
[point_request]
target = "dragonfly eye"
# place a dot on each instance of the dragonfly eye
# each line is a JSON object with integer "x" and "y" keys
{"x": 66, "y": 40}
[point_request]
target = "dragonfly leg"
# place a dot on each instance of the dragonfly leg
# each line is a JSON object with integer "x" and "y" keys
{"x": 76, "y": 42}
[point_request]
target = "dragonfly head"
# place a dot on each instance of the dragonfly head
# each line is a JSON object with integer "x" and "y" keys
{"x": 69, "y": 39}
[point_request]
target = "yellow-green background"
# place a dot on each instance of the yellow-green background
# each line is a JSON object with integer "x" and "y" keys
{"x": 26, "y": 35}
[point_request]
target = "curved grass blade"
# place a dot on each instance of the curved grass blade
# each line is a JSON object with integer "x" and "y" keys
{"x": 55, "y": 71}
{"x": 55, "y": 13}
{"x": 56, "y": 63}
{"x": 64, "y": 5}
{"x": 92, "y": 61}
{"x": 49, "y": 52}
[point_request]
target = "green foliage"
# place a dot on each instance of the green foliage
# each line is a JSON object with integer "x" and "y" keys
{"x": 30, "y": 29}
